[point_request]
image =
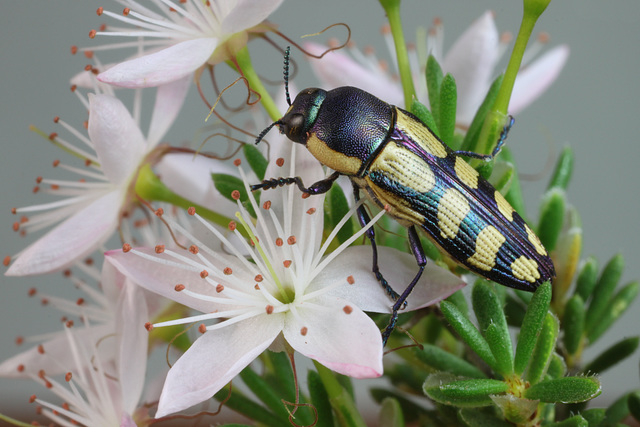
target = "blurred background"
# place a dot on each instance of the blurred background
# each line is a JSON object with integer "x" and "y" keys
{"x": 593, "y": 107}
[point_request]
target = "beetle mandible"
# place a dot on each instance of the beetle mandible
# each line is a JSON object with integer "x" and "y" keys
{"x": 404, "y": 168}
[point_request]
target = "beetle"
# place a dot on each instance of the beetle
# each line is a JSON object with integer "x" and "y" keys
{"x": 403, "y": 167}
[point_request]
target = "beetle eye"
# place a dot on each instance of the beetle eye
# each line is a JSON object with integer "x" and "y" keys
{"x": 294, "y": 126}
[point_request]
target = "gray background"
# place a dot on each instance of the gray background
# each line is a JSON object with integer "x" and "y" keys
{"x": 593, "y": 106}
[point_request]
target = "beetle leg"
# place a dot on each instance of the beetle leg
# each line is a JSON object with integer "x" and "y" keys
{"x": 401, "y": 302}
{"x": 364, "y": 219}
{"x": 488, "y": 157}
{"x": 319, "y": 187}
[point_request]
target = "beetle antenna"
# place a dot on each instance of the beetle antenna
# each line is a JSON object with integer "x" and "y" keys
{"x": 266, "y": 130}
{"x": 286, "y": 74}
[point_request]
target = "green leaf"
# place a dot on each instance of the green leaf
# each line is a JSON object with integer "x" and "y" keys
{"x": 587, "y": 278}
{"x": 557, "y": 366}
{"x": 612, "y": 356}
{"x": 618, "y": 305}
{"x": 479, "y": 418}
{"x": 594, "y": 416}
{"x": 514, "y": 311}
{"x": 391, "y": 413}
{"x": 501, "y": 176}
{"x": 565, "y": 390}
{"x": 434, "y": 80}
{"x": 256, "y": 160}
{"x": 279, "y": 374}
{"x": 320, "y": 399}
{"x": 564, "y": 167}
{"x": 458, "y": 299}
{"x": 451, "y": 390}
{"x": 422, "y": 112}
{"x": 603, "y": 291}
{"x": 227, "y": 184}
{"x": 531, "y": 326}
{"x": 468, "y": 332}
{"x": 410, "y": 410}
{"x": 617, "y": 411}
{"x": 573, "y": 324}
{"x": 514, "y": 196}
{"x": 442, "y": 360}
{"x": 448, "y": 104}
{"x": 247, "y": 407}
{"x": 470, "y": 141}
{"x": 634, "y": 404}
{"x": 264, "y": 392}
{"x": 575, "y": 421}
{"x": 488, "y": 309}
{"x": 551, "y": 217}
{"x": 337, "y": 207}
{"x": 543, "y": 350}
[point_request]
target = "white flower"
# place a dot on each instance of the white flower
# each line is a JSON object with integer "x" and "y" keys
{"x": 93, "y": 206}
{"x": 471, "y": 60}
{"x": 183, "y": 36}
{"x": 290, "y": 288}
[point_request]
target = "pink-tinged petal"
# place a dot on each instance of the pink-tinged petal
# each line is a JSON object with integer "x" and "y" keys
{"x": 161, "y": 67}
{"x": 248, "y": 13}
{"x": 536, "y": 78}
{"x": 57, "y": 352}
{"x": 163, "y": 278}
{"x": 116, "y": 137}
{"x": 337, "y": 334}
{"x": 71, "y": 240}
{"x": 127, "y": 421}
{"x": 471, "y": 61}
{"x": 336, "y": 69}
{"x": 398, "y": 268}
{"x": 215, "y": 359}
{"x": 169, "y": 100}
{"x": 133, "y": 342}
{"x": 190, "y": 176}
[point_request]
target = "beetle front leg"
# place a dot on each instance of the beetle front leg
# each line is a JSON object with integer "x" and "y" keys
{"x": 364, "y": 219}
{"x": 319, "y": 187}
{"x": 401, "y": 302}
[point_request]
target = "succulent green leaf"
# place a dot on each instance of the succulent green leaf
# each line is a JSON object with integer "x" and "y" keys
{"x": 594, "y": 416}
{"x": 468, "y": 332}
{"x": 514, "y": 311}
{"x": 470, "y": 141}
{"x": 603, "y": 291}
{"x": 634, "y": 404}
{"x": 279, "y": 374}
{"x": 227, "y": 184}
{"x": 479, "y": 418}
{"x": 249, "y": 408}
{"x": 410, "y": 410}
{"x": 613, "y": 355}
{"x": 422, "y": 112}
{"x": 575, "y": 421}
{"x": 545, "y": 345}
{"x": 256, "y": 160}
{"x": 448, "y": 389}
{"x": 531, "y": 326}
{"x": 573, "y": 323}
{"x": 448, "y": 104}
{"x": 264, "y": 392}
{"x": 564, "y": 167}
{"x": 565, "y": 390}
{"x": 587, "y": 278}
{"x": 320, "y": 399}
{"x": 434, "y": 80}
{"x": 442, "y": 360}
{"x": 617, "y": 411}
{"x": 557, "y": 366}
{"x": 336, "y": 207}
{"x": 391, "y": 413}
{"x": 618, "y": 305}
{"x": 514, "y": 196}
{"x": 551, "y": 217}
{"x": 501, "y": 176}
{"x": 458, "y": 299}
{"x": 490, "y": 315}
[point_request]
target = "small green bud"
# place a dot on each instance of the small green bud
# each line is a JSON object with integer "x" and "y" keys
{"x": 551, "y": 217}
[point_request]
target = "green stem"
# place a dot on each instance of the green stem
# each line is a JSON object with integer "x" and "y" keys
{"x": 392, "y": 9}
{"x": 14, "y": 421}
{"x": 150, "y": 187}
{"x": 246, "y": 69}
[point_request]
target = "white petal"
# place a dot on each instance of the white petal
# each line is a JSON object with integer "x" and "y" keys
{"x": 214, "y": 360}
{"x": 169, "y": 100}
{"x": 398, "y": 268}
{"x": 190, "y": 176}
{"x": 58, "y": 353}
{"x": 349, "y": 344}
{"x": 248, "y": 13}
{"x": 133, "y": 341}
{"x": 536, "y": 78}
{"x": 471, "y": 61}
{"x": 116, "y": 137}
{"x": 161, "y": 67}
{"x": 71, "y": 240}
{"x": 162, "y": 278}
{"x": 336, "y": 69}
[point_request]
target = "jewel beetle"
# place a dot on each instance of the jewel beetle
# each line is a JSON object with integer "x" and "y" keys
{"x": 403, "y": 167}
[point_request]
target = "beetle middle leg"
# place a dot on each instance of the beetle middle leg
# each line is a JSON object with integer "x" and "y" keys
{"x": 319, "y": 187}
{"x": 401, "y": 302}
